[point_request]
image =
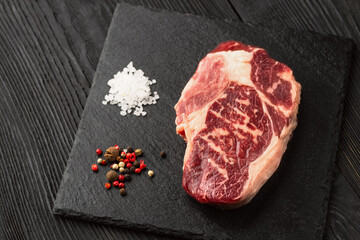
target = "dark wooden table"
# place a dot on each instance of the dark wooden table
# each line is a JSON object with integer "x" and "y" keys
{"x": 49, "y": 52}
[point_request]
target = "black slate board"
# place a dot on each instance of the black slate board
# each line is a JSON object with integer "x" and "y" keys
{"x": 168, "y": 46}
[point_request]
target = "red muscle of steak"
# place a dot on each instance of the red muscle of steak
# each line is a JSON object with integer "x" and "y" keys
{"x": 236, "y": 114}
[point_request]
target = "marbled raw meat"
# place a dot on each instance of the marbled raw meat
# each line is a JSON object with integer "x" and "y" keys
{"x": 237, "y": 114}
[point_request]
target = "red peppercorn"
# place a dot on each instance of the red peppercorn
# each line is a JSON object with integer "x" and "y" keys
{"x": 128, "y": 155}
{"x": 116, "y": 146}
{"x": 103, "y": 162}
{"x": 134, "y": 155}
{"x": 107, "y": 185}
{"x": 138, "y": 170}
{"x": 128, "y": 165}
{"x": 121, "y": 178}
{"x": 141, "y": 161}
{"x": 116, "y": 183}
{"x": 121, "y": 185}
{"x": 132, "y": 159}
{"x": 126, "y": 161}
{"x": 142, "y": 166}
{"x": 98, "y": 151}
{"x": 94, "y": 167}
{"x": 123, "y": 154}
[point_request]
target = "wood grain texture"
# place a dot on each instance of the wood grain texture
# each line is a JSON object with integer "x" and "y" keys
{"x": 343, "y": 215}
{"x": 49, "y": 52}
{"x": 340, "y": 18}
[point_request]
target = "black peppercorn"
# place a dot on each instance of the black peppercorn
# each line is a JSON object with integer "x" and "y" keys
{"x": 126, "y": 171}
{"x": 136, "y": 164}
{"x": 122, "y": 192}
{"x": 132, "y": 169}
{"x": 130, "y": 149}
{"x": 127, "y": 177}
{"x": 163, "y": 154}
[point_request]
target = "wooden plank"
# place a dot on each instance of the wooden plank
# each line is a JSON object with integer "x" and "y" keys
{"x": 49, "y": 52}
{"x": 343, "y": 216}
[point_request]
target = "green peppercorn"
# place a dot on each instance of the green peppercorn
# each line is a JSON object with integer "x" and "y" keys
{"x": 126, "y": 171}
{"x": 127, "y": 177}
{"x": 163, "y": 154}
{"x": 136, "y": 164}
{"x": 122, "y": 192}
{"x": 132, "y": 169}
{"x": 138, "y": 152}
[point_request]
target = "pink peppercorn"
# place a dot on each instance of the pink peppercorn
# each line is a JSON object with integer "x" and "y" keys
{"x": 98, "y": 151}
{"x": 142, "y": 166}
{"x": 116, "y": 183}
{"x": 94, "y": 167}
{"x": 121, "y": 178}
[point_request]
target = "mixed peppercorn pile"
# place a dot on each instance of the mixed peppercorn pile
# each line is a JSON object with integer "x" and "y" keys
{"x": 125, "y": 161}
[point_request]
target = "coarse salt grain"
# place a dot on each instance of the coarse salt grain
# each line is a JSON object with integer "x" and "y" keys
{"x": 130, "y": 90}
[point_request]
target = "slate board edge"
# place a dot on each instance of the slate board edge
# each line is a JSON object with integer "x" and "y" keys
{"x": 111, "y": 221}
{"x": 233, "y": 21}
{"x": 58, "y": 210}
{"x": 57, "y": 204}
{"x": 126, "y": 224}
{"x": 80, "y": 129}
{"x": 336, "y": 134}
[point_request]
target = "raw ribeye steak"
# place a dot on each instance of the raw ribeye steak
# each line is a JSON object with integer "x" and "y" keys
{"x": 237, "y": 114}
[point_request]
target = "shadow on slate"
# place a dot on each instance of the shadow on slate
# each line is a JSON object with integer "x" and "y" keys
{"x": 167, "y": 47}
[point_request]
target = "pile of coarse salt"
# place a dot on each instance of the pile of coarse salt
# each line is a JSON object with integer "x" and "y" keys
{"x": 130, "y": 89}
